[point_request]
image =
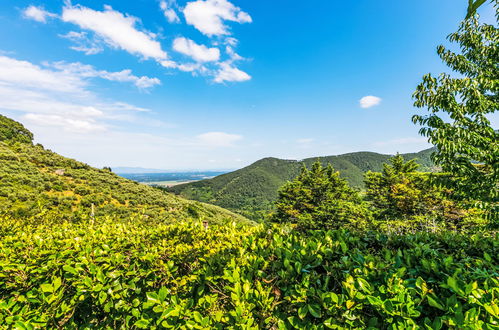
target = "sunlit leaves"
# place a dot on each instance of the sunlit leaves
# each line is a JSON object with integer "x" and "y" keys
{"x": 318, "y": 198}
{"x": 467, "y": 146}
{"x": 473, "y": 6}
{"x": 129, "y": 274}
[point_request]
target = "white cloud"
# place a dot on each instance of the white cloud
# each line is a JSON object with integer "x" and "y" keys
{"x": 83, "y": 43}
{"x": 369, "y": 101}
{"x": 116, "y": 29}
{"x": 200, "y": 53}
{"x": 227, "y": 72}
{"x": 88, "y": 71}
{"x": 189, "y": 67}
{"x": 28, "y": 75}
{"x": 100, "y": 29}
{"x": 209, "y": 16}
{"x": 233, "y": 55}
{"x": 58, "y": 96}
{"x": 74, "y": 125}
{"x": 231, "y": 41}
{"x": 169, "y": 12}
{"x": 38, "y": 14}
{"x": 72, "y": 120}
{"x": 185, "y": 67}
{"x": 168, "y": 64}
{"x": 218, "y": 139}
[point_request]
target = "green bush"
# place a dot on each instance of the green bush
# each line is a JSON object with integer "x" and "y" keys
{"x": 401, "y": 193}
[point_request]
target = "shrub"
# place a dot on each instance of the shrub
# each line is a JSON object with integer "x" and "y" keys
{"x": 401, "y": 193}
{"x": 142, "y": 273}
{"x": 319, "y": 199}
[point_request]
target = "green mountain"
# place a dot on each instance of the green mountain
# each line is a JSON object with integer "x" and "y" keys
{"x": 252, "y": 190}
{"x": 34, "y": 181}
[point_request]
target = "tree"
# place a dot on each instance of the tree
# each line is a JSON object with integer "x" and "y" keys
{"x": 319, "y": 199}
{"x": 473, "y": 7}
{"x": 467, "y": 146}
{"x": 12, "y": 131}
{"x": 399, "y": 192}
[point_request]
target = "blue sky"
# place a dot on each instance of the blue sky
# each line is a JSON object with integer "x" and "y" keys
{"x": 213, "y": 84}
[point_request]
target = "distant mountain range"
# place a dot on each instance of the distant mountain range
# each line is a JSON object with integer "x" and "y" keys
{"x": 252, "y": 190}
{"x": 153, "y": 177}
{"x": 137, "y": 170}
{"x": 143, "y": 170}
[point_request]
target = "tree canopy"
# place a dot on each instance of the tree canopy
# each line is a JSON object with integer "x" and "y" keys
{"x": 13, "y": 131}
{"x": 459, "y": 110}
{"x": 318, "y": 198}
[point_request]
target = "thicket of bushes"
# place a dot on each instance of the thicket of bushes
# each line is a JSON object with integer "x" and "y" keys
{"x": 145, "y": 274}
{"x": 399, "y": 199}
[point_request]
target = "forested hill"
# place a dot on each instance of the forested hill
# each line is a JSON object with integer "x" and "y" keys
{"x": 253, "y": 189}
{"x": 36, "y": 181}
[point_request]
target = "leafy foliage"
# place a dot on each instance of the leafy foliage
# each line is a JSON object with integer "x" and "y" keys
{"x": 319, "y": 199}
{"x": 466, "y": 144}
{"x": 12, "y": 131}
{"x": 473, "y": 7}
{"x": 141, "y": 273}
{"x": 401, "y": 193}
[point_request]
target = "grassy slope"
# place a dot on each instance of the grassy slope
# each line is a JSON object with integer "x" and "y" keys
{"x": 254, "y": 188}
{"x": 30, "y": 184}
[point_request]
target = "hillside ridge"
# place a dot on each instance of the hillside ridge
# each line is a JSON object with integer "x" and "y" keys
{"x": 258, "y": 183}
{"x": 34, "y": 180}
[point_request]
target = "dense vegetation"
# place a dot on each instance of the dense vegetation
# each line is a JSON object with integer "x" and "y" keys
{"x": 145, "y": 274}
{"x": 252, "y": 190}
{"x": 319, "y": 199}
{"x": 466, "y": 143}
{"x": 399, "y": 199}
{"x": 33, "y": 178}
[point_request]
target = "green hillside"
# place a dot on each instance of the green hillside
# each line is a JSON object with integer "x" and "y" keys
{"x": 253, "y": 189}
{"x": 34, "y": 180}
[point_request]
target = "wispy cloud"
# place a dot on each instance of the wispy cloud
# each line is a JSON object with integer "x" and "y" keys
{"x": 38, "y": 14}
{"x": 83, "y": 125}
{"x": 218, "y": 139}
{"x": 168, "y": 11}
{"x": 88, "y": 71}
{"x": 57, "y": 94}
{"x": 24, "y": 74}
{"x": 83, "y": 43}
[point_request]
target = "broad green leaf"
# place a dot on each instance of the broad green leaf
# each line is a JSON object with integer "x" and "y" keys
{"x": 315, "y": 310}
{"x": 46, "y": 287}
